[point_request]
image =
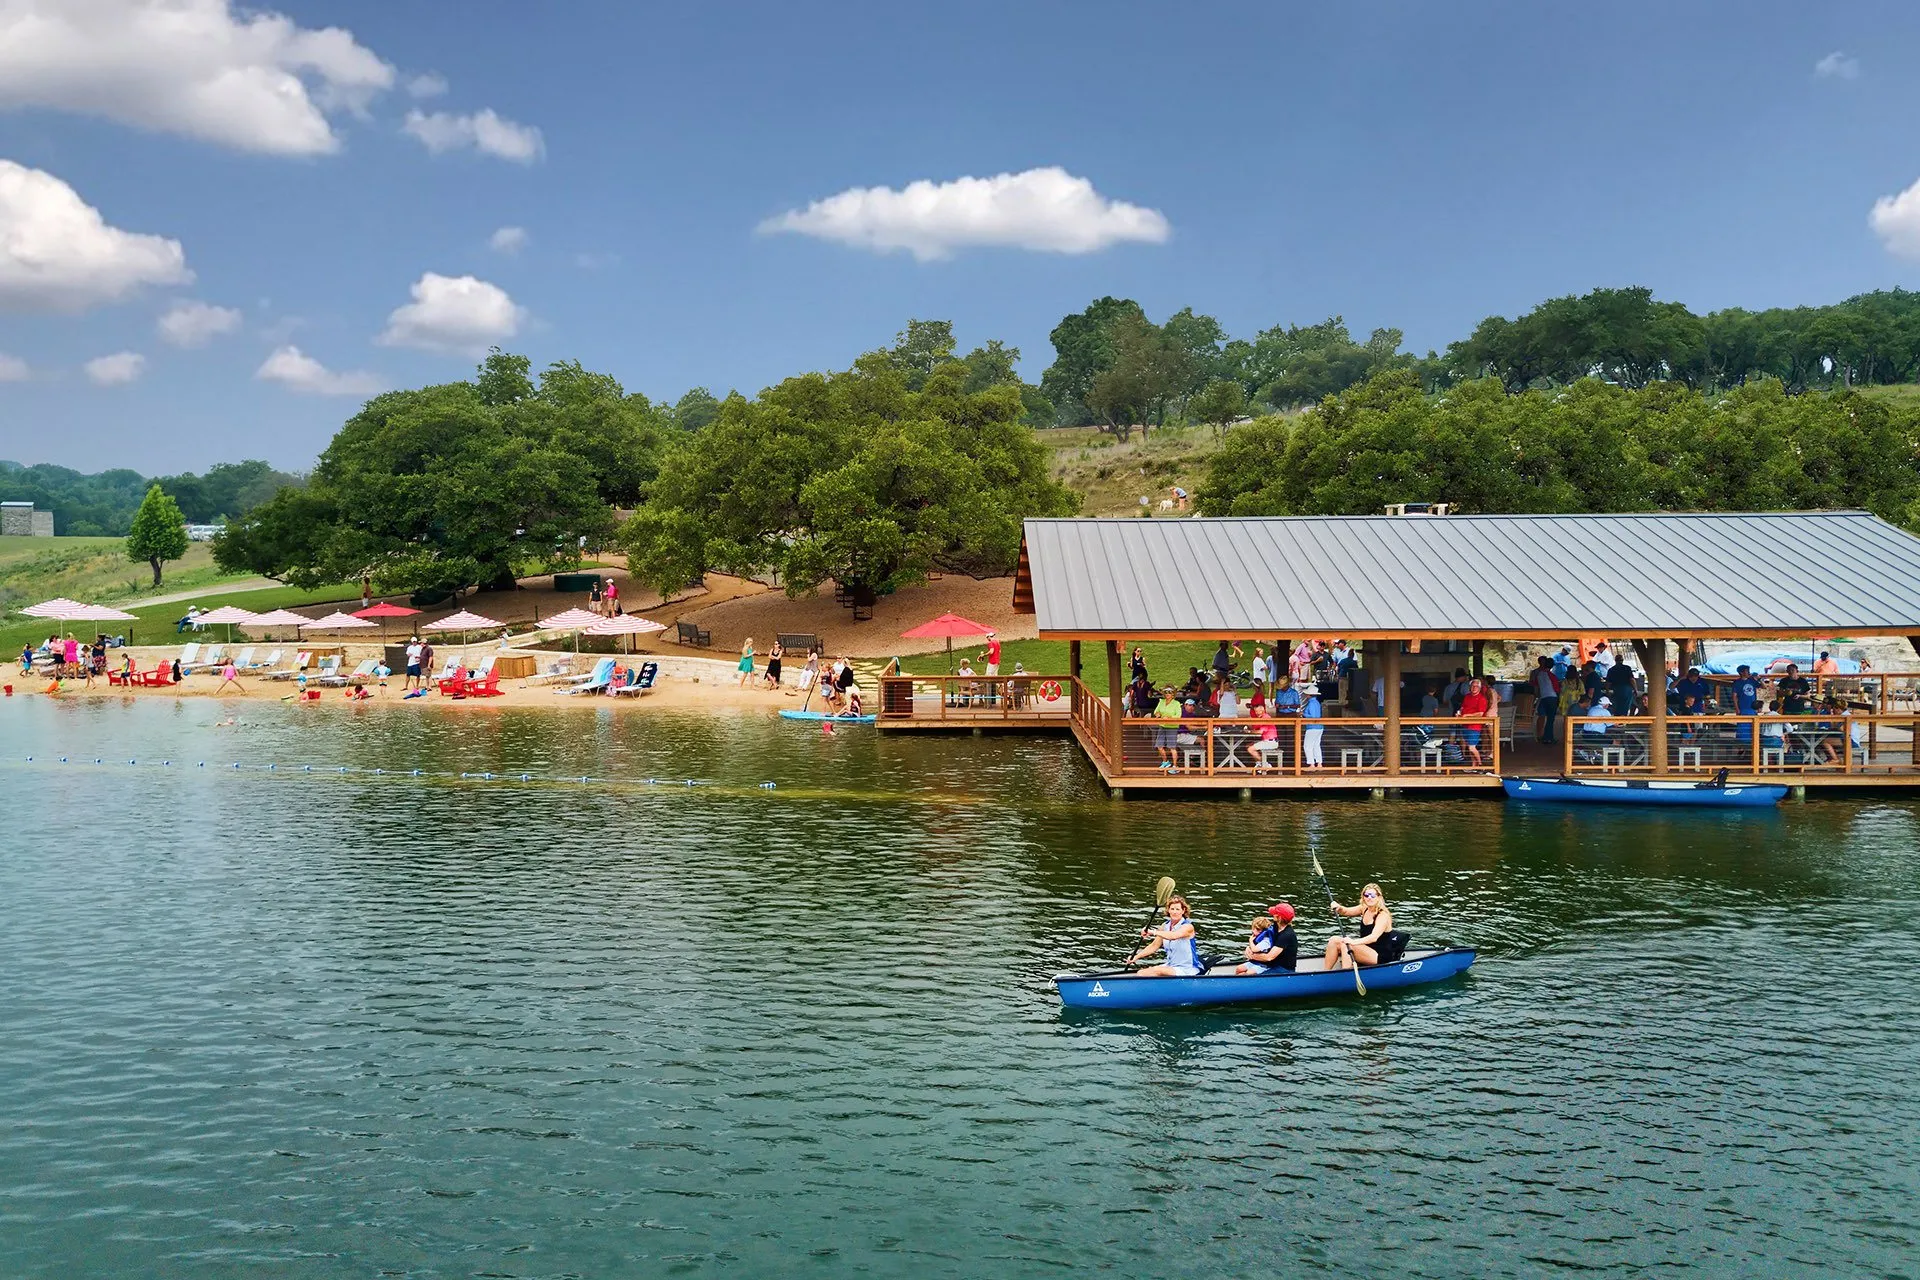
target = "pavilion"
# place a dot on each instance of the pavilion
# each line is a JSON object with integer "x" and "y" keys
{"x": 1421, "y": 593}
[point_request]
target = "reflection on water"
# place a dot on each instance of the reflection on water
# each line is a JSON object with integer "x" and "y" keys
{"x": 317, "y": 1025}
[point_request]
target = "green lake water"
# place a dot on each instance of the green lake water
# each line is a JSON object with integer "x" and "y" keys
{"x": 304, "y": 1024}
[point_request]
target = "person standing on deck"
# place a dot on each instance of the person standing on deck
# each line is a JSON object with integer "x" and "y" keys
{"x": 1746, "y": 701}
{"x": 993, "y": 667}
{"x": 1546, "y": 700}
{"x": 1311, "y": 733}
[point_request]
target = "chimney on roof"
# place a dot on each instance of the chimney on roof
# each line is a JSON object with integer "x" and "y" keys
{"x": 1418, "y": 508}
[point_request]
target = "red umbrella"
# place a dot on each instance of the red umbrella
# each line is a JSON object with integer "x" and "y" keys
{"x": 384, "y": 610}
{"x": 947, "y": 626}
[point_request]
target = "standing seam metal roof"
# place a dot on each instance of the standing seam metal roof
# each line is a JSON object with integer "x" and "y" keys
{"x": 1771, "y": 573}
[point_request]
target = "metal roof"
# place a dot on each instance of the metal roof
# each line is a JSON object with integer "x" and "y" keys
{"x": 1518, "y": 576}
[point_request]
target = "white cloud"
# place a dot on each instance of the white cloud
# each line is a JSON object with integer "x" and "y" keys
{"x": 256, "y": 81}
{"x": 1837, "y": 66}
{"x": 508, "y": 240}
{"x": 117, "y": 369}
{"x": 483, "y": 131}
{"x": 58, "y": 254}
{"x": 1047, "y": 210}
{"x": 453, "y": 313}
{"x": 194, "y": 324}
{"x": 295, "y": 370}
{"x": 13, "y": 369}
{"x": 428, "y": 84}
{"x": 1896, "y": 220}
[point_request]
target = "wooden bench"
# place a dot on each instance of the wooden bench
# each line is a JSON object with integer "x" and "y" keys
{"x": 799, "y": 645}
{"x": 691, "y": 634}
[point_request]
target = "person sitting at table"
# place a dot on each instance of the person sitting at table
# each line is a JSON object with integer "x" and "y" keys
{"x": 1773, "y": 733}
{"x": 1829, "y": 742}
{"x": 965, "y": 693}
{"x": 1593, "y": 733}
{"x": 1226, "y": 703}
{"x": 1692, "y": 691}
{"x": 1266, "y": 740}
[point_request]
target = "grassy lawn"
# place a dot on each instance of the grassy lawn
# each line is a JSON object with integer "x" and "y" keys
{"x": 95, "y": 570}
{"x": 155, "y": 622}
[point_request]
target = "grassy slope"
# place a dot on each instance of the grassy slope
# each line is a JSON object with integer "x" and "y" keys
{"x": 95, "y": 570}
{"x": 1111, "y": 477}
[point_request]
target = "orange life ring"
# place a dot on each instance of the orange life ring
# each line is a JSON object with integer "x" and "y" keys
{"x": 1049, "y": 691}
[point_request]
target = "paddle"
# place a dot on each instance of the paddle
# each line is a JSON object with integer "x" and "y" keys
{"x": 1358, "y": 986}
{"x": 1162, "y": 894}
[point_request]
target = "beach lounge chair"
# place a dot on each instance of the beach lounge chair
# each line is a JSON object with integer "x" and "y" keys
{"x": 364, "y": 672}
{"x": 329, "y": 672}
{"x": 267, "y": 663}
{"x": 243, "y": 661}
{"x": 558, "y": 669}
{"x": 209, "y": 661}
{"x": 642, "y": 682}
{"x": 452, "y": 671}
{"x": 189, "y": 657}
{"x": 300, "y": 661}
{"x": 597, "y": 680}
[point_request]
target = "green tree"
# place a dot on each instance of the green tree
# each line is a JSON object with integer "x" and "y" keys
{"x": 1219, "y": 403}
{"x": 1147, "y": 371}
{"x": 1083, "y": 350}
{"x": 922, "y": 347}
{"x": 695, "y": 409}
{"x": 159, "y": 531}
{"x": 851, "y": 477}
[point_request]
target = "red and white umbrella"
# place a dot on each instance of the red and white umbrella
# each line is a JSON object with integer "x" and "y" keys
{"x": 625, "y": 624}
{"x": 62, "y": 609}
{"x": 338, "y": 621}
{"x": 228, "y": 614}
{"x": 574, "y": 620}
{"x": 277, "y": 618}
{"x": 462, "y": 622}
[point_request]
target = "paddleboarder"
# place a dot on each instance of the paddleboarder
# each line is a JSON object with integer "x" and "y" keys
{"x": 1175, "y": 937}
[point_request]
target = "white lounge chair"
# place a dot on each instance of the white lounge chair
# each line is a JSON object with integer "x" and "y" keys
{"x": 363, "y": 673}
{"x": 189, "y": 656}
{"x": 243, "y": 661}
{"x": 211, "y": 660}
{"x": 267, "y": 663}
{"x": 300, "y": 662}
{"x": 329, "y": 672}
{"x": 597, "y": 680}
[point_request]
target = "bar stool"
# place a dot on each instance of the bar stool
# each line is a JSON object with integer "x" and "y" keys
{"x": 1352, "y": 758}
{"x": 1775, "y": 757}
{"x": 1613, "y": 757}
{"x": 1193, "y": 755}
{"x": 1684, "y": 753}
{"x": 1431, "y": 755}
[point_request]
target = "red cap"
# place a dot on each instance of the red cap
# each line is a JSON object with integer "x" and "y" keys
{"x": 1283, "y": 912}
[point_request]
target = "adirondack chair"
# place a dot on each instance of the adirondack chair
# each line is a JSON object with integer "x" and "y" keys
{"x": 453, "y": 685}
{"x": 486, "y": 686}
{"x": 159, "y": 678}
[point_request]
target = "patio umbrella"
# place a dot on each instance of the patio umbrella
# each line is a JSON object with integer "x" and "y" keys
{"x": 574, "y": 620}
{"x": 947, "y": 626}
{"x": 463, "y": 622}
{"x": 229, "y": 614}
{"x": 383, "y": 611}
{"x": 625, "y": 624}
{"x": 337, "y": 621}
{"x": 62, "y": 609}
{"x": 277, "y": 618}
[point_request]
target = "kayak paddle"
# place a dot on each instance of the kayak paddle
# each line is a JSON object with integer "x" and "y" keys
{"x": 1358, "y": 986}
{"x": 1162, "y": 894}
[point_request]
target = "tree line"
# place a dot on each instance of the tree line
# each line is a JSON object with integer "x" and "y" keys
{"x": 916, "y": 459}
{"x": 1590, "y": 446}
{"x": 1116, "y": 369}
{"x": 102, "y": 505}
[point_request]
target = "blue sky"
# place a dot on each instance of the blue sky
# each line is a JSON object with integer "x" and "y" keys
{"x": 1413, "y": 165}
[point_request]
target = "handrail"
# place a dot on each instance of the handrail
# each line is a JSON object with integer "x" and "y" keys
{"x": 1210, "y": 746}
{"x": 1846, "y": 742}
{"x": 1028, "y": 695}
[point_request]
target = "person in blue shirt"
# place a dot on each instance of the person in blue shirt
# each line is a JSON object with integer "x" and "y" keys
{"x": 1286, "y": 698}
{"x": 1176, "y": 938}
{"x": 1692, "y": 691}
{"x": 1562, "y": 663}
{"x": 1746, "y": 700}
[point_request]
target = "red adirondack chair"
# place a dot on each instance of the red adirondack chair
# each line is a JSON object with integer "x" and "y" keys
{"x": 486, "y": 687}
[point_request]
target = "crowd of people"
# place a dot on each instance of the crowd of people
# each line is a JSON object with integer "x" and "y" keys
{"x": 832, "y": 681}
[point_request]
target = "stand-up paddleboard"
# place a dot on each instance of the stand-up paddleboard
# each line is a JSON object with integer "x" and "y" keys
{"x": 826, "y": 715}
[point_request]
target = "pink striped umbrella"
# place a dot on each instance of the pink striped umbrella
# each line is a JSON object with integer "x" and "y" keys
{"x": 625, "y": 624}
{"x": 228, "y": 614}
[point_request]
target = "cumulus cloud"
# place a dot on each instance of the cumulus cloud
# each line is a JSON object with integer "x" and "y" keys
{"x": 453, "y": 313}
{"x": 508, "y": 240}
{"x": 484, "y": 131}
{"x": 1837, "y": 66}
{"x": 255, "y": 81}
{"x": 1048, "y": 210}
{"x": 58, "y": 254}
{"x": 1896, "y": 220}
{"x": 194, "y": 324}
{"x": 295, "y": 370}
{"x": 428, "y": 84}
{"x": 117, "y": 369}
{"x": 13, "y": 369}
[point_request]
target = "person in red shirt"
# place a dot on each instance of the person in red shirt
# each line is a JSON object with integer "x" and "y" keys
{"x": 1474, "y": 702}
{"x": 993, "y": 667}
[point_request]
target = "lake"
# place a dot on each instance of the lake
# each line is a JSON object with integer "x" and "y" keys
{"x": 292, "y": 1023}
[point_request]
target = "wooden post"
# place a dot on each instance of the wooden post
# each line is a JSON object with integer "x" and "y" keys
{"x": 1479, "y": 659}
{"x": 1073, "y": 658}
{"x": 1656, "y": 661}
{"x": 1391, "y": 669}
{"x": 1115, "y": 729}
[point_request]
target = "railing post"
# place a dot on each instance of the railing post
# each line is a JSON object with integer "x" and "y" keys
{"x": 1115, "y": 728}
{"x": 1390, "y": 669}
{"x": 1299, "y": 737}
{"x": 1753, "y": 727}
{"x": 1496, "y": 742}
{"x": 1567, "y": 730}
{"x": 1656, "y": 660}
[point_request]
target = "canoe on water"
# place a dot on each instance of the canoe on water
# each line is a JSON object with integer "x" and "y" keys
{"x": 1125, "y": 990}
{"x": 825, "y": 715}
{"x": 1732, "y": 795}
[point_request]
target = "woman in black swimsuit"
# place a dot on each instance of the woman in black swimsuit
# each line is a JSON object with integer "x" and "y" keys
{"x": 1376, "y": 922}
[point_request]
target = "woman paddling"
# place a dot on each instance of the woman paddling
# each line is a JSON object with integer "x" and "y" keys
{"x": 1176, "y": 937}
{"x": 1378, "y": 943}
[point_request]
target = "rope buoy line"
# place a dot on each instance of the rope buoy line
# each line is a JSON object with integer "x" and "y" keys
{"x": 430, "y": 775}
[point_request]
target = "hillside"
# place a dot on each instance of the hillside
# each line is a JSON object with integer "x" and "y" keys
{"x": 1111, "y": 477}
{"x": 96, "y": 570}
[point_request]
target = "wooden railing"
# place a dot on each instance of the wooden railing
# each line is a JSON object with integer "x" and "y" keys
{"x": 973, "y": 699}
{"x": 1822, "y": 742}
{"x": 1094, "y": 719}
{"x": 1292, "y": 747}
{"x": 1878, "y": 692}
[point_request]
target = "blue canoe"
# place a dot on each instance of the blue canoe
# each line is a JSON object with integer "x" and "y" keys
{"x": 825, "y": 715}
{"x": 1733, "y": 795}
{"x": 1123, "y": 990}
